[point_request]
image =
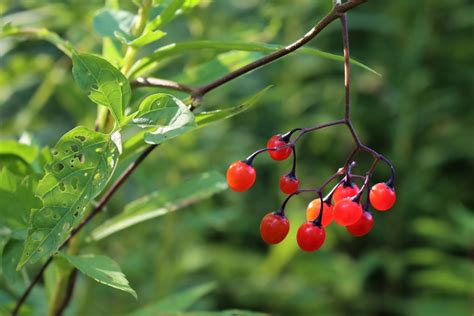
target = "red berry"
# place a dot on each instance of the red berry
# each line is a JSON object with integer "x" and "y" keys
{"x": 312, "y": 212}
{"x": 362, "y": 226}
{"x": 344, "y": 191}
{"x": 280, "y": 154}
{"x": 382, "y": 197}
{"x": 240, "y": 176}
{"x": 310, "y": 237}
{"x": 289, "y": 184}
{"x": 274, "y": 228}
{"x": 347, "y": 212}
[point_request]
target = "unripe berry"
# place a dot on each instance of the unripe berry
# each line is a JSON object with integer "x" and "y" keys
{"x": 310, "y": 237}
{"x": 345, "y": 191}
{"x": 314, "y": 207}
{"x": 347, "y": 212}
{"x": 289, "y": 184}
{"x": 362, "y": 226}
{"x": 274, "y": 227}
{"x": 382, "y": 197}
{"x": 240, "y": 176}
{"x": 280, "y": 154}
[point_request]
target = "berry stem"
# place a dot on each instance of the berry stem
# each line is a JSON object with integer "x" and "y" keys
{"x": 292, "y": 173}
{"x": 318, "y": 220}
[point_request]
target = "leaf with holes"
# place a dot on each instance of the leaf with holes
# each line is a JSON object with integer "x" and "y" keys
{"x": 102, "y": 269}
{"x": 104, "y": 83}
{"x": 83, "y": 162}
{"x": 165, "y": 116}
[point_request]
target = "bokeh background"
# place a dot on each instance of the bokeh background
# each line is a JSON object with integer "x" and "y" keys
{"x": 419, "y": 113}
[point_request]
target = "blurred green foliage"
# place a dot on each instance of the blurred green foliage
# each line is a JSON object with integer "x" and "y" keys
{"x": 418, "y": 258}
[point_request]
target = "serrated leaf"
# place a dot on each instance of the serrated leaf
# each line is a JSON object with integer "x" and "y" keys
{"x": 102, "y": 269}
{"x": 178, "y": 302}
{"x": 26, "y": 152}
{"x": 104, "y": 84}
{"x": 162, "y": 202}
{"x": 83, "y": 162}
{"x": 183, "y": 47}
{"x": 166, "y": 115}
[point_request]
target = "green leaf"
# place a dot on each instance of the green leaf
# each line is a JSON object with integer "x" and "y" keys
{"x": 118, "y": 24}
{"x": 11, "y": 256}
{"x": 178, "y": 48}
{"x": 148, "y": 37}
{"x": 178, "y": 302}
{"x": 202, "y": 119}
{"x": 168, "y": 13}
{"x": 168, "y": 116}
{"x": 108, "y": 22}
{"x": 26, "y": 152}
{"x": 83, "y": 162}
{"x": 217, "y": 67}
{"x": 162, "y": 202}
{"x": 104, "y": 84}
{"x": 17, "y": 198}
{"x": 43, "y": 34}
{"x": 205, "y": 118}
{"x": 102, "y": 269}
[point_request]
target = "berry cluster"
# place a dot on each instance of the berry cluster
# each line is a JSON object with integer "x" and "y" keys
{"x": 342, "y": 204}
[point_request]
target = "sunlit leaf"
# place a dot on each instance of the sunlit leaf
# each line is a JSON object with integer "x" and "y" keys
{"x": 83, "y": 163}
{"x": 162, "y": 202}
{"x": 167, "y": 117}
{"x": 148, "y": 37}
{"x": 102, "y": 269}
{"x": 104, "y": 84}
{"x": 202, "y": 119}
{"x": 178, "y": 302}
